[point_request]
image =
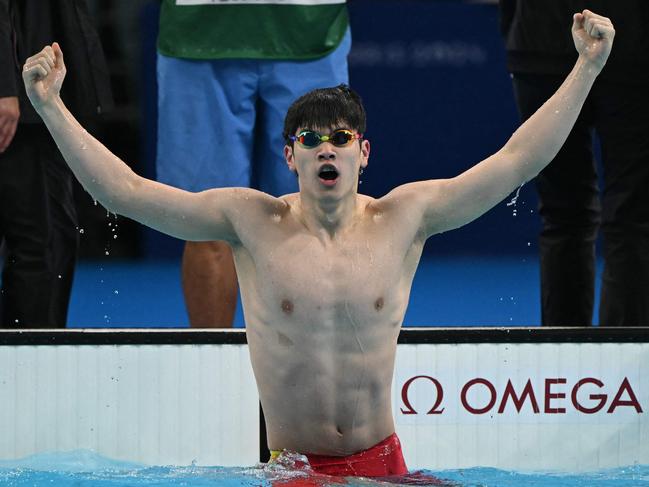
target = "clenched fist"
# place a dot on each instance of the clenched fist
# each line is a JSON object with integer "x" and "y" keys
{"x": 593, "y": 36}
{"x": 43, "y": 75}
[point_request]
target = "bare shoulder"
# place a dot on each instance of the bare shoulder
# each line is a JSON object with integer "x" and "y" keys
{"x": 236, "y": 212}
{"x": 246, "y": 200}
{"x": 411, "y": 196}
{"x": 417, "y": 205}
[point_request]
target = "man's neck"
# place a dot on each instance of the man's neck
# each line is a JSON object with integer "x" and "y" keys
{"x": 328, "y": 215}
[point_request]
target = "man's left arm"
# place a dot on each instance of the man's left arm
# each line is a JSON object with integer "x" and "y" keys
{"x": 451, "y": 203}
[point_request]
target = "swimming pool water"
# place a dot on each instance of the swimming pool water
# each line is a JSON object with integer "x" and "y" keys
{"x": 85, "y": 469}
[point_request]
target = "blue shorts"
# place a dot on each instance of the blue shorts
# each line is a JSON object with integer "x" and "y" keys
{"x": 220, "y": 121}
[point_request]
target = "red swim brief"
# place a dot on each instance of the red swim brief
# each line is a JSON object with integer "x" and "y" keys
{"x": 382, "y": 460}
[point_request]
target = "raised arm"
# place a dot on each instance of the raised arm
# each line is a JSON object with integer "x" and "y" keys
{"x": 451, "y": 203}
{"x": 189, "y": 216}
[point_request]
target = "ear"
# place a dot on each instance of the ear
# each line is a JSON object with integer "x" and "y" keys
{"x": 365, "y": 152}
{"x": 290, "y": 158}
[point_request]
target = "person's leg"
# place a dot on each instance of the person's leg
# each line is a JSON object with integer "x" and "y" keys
{"x": 206, "y": 114}
{"x": 623, "y": 127}
{"x": 40, "y": 228}
{"x": 281, "y": 83}
{"x": 569, "y": 210}
{"x": 209, "y": 284}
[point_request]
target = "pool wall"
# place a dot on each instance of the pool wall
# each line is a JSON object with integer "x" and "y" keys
{"x": 158, "y": 404}
{"x": 523, "y": 399}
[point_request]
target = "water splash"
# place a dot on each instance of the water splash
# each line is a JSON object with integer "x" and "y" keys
{"x": 85, "y": 467}
{"x": 514, "y": 200}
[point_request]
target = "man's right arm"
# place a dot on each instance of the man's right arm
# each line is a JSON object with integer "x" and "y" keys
{"x": 185, "y": 215}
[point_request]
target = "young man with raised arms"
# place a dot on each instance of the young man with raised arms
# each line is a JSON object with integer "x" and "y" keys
{"x": 325, "y": 273}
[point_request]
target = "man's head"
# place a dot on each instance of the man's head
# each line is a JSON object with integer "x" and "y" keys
{"x": 324, "y": 140}
{"x": 325, "y": 107}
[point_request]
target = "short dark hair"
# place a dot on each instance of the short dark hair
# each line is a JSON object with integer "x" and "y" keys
{"x": 325, "y": 107}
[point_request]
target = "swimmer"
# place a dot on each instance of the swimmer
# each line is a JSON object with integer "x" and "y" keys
{"x": 325, "y": 273}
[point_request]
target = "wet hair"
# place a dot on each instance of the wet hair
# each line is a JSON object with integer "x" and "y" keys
{"x": 325, "y": 107}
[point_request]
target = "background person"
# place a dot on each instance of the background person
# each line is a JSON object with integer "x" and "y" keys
{"x": 38, "y": 220}
{"x": 226, "y": 76}
{"x": 571, "y": 205}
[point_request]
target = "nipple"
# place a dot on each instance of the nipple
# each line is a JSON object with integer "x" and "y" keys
{"x": 287, "y": 306}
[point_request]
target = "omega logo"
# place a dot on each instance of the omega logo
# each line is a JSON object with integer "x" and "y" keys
{"x": 548, "y": 399}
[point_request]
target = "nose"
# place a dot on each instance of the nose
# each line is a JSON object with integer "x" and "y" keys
{"x": 326, "y": 154}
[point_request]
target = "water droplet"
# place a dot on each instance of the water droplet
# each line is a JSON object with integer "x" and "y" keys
{"x": 81, "y": 230}
{"x": 60, "y": 277}
{"x": 515, "y": 198}
{"x": 529, "y": 244}
{"x": 114, "y": 237}
{"x": 116, "y": 291}
{"x": 107, "y": 252}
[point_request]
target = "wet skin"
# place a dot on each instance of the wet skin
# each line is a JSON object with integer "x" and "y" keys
{"x": 325, "y": 276}
{"x": 325, "y": 273}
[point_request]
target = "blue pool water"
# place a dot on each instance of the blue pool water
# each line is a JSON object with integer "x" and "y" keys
{"x": 84, "y": 468}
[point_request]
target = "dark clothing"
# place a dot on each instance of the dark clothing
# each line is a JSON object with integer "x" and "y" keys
{"x": 572, "y": 207}
{"x": 26, "y": 26}
{"x": 38, "y": 221}
{"x": 39, "y": 224}
{"x": 538, "y": 37}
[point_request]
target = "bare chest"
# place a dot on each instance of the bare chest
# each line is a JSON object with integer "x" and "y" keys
{"x": 356, "y": 279}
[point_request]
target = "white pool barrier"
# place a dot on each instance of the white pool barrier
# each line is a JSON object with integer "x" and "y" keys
{"x": 570, "y": 399}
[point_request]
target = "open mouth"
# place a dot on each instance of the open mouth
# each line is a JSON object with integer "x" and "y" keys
{"x": 328, "y": 174}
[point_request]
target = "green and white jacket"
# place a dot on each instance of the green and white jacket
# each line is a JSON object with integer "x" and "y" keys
{"x": 251, "y": 29}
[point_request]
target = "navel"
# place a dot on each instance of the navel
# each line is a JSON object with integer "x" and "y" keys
{"x": 378, "y": 304}
{"x": 287, "y": 306}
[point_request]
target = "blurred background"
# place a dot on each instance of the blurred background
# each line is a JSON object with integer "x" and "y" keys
{"x": 433, "y": 79}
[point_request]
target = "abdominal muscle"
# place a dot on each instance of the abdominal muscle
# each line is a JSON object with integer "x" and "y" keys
{"x": 318, "y": 397}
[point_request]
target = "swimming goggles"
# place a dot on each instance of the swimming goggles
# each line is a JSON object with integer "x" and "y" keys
{"x": 311, "y": 139}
